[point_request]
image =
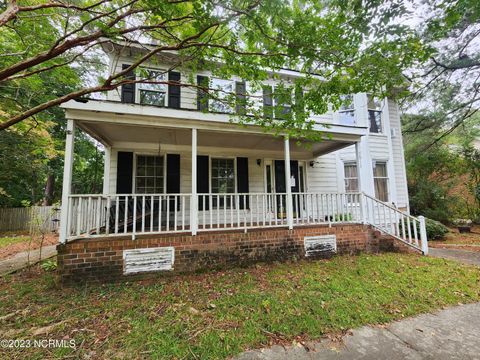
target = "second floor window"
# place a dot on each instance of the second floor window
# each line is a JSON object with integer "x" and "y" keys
{"x": 374, "y": 114}
{"x": 351, "y": 177}
{"x": 151, "y": 93}
{"x": 223, "y": 91}
{"x": 347, "y": 111}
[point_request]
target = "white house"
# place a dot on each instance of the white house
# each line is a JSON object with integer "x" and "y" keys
{"x": 175, "y": 164}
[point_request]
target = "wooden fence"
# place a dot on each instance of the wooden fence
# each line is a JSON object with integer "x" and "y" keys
{"x": 22, "y": 219}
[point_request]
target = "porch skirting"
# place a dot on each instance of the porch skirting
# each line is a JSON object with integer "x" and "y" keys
{"x": 104, "y": 259}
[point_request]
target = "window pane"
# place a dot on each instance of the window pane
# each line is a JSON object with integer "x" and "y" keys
{"x": 351, "y": 185}
{"x": 346, "y": 102}
{"x": 380, "y": 169}
{"x": 149, "y": 174}
{"x": 381, "y": 190}
{"x": 152, "y": 75}
{"x": 375, "y": 120}
{"x": 374, "y": 103}
{"x": 148, "y": 97}
{"x": 350, "y": 170}
{"x": 223, "y": 90}
{"x": 347, "y": 117}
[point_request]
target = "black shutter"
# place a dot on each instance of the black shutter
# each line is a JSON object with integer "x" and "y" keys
{"x": 202, "y": 95}
{"x": 124, "y": 172}
{"x": 202, "y": 180}
{"x": 128, "y": 90}
{"x": 173, "y": 178}
{"x": 242, "y": 181}
{"x": 174, "y": 90}
{"x": 173, "y": 174}
{"x": 267, "y": 102}
{"x": 241, "y": 91}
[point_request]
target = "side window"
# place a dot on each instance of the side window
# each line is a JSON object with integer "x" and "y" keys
{"x": 222, "y": 90}
{"x": 149, "y": 176}
{"x": 380, "y": 179}
{"x": 375, "y": 114}
{"x": 351, "y": 177}
{"x": 347, "y": 110}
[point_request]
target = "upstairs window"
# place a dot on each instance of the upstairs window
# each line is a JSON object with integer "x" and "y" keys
{"x": 222, "y": 92}
{"x": 351, "y": 177}
{"x": 374, "y": 114}
{"x": 380, "y": 179}
{"x": 347, "y": 111}
{"x": 151, "y": 93}
{"x": 283, "y": 102}
{"x": 149, "y": 177}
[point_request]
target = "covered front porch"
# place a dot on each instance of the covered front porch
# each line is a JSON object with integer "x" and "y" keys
{"x": 175, "y": 179}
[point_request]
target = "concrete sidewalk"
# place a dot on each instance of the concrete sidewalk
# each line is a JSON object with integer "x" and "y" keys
{"x": 20, "y": 260}
{"x": 448, "y": 334}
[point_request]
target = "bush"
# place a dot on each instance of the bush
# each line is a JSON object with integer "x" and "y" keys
{"x": 435, "y": 230}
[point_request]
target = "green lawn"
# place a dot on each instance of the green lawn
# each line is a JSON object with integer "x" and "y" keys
{"x": 9, "y": 240}
{"x": 219, "y": 314}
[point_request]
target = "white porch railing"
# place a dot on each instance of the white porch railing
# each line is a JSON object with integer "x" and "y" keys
{"x": 137, "y": 214}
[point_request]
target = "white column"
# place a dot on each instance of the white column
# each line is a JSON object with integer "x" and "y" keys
{"x": 194, "y": 198}
{"x": 106, "y": 170}
{"x": 288, "y": 185}
{"x": 67, "y": 178}
{"x": 423, "y": 235}
{"x": 392, "y": 183}
{"x": 364, "y": 167}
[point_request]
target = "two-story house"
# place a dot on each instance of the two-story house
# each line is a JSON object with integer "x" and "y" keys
{"x": 186, "y": 188}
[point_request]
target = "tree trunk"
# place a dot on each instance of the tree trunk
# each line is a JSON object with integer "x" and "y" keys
{"x": 49, "y": 188}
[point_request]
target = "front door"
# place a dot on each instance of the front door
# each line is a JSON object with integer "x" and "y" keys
{"x": 278, "y": 175}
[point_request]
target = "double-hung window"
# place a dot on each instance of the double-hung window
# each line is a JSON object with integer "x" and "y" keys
{"x": 380, "y": 179}
{"x": 351, "y": 177}
{"x": 346, "y": 111}
{"x": 223, "y": 93}
{"x": 149, "y": 175}
{"x": 374, "y": 114}
{"x": 223, "y": 181}
{"x": 283, "y": 102}
{"x": 152, "y": 93}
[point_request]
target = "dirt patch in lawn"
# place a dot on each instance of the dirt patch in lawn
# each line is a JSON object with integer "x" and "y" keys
{"x": 13, "y": 243}
{"x": 463, "y": 241}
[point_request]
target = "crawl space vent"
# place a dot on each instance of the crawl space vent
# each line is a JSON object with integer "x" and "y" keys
{"x": 147, "y": 260}
{"x": 320, "y": 245}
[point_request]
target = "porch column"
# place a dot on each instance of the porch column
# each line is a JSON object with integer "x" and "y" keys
{"x": 67, "y": 178}
{"x": 106, "y": 170}
{"x": 364, "y": 167}
{"x": 288, "y": 185}
{"x": 194, "y": 198}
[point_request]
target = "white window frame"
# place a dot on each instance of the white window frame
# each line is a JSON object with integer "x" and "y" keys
{"x": 210, "y": 168}
{"x": 134, "y": 180}
{"x": 377, "y": 110}
{"x": 139, "y": 89}
{"x": 374, "y": 164}
{"x": 350, "y": 163}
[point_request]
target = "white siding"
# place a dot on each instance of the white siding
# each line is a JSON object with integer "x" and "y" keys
{"x": 398, "y": 155}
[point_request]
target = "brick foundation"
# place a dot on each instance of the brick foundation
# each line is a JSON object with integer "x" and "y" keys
{"x": 101, "y": 259}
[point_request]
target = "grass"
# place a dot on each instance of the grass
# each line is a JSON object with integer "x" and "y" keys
{"x": 9, "y": 240}
{"x": 219, "y": 314}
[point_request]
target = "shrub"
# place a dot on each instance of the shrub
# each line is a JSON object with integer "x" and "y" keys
{"x": 435, "y": 230}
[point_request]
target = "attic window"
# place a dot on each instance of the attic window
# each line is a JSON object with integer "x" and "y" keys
{"x": 347, "y": 111}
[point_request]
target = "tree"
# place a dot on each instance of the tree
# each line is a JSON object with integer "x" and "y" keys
{"x": 351, "y": 46}
{"x": 448, "y": 84}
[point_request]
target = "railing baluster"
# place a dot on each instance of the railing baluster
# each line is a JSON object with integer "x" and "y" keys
{"x": 168, "y": 213}
{"x": 409, "y": 231}
{"x": 183, "y": 212}
{"x": 160, "y": 200}
{"x": 99, "y": 214}
{"x": 152, "y": 211}
{"x": 175, "y": 204}
{"x": 143, "y": 214}
{"x": 415, "y": 231}
{"x": 134, "y": 219}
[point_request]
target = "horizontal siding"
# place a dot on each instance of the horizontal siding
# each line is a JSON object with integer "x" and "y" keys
{"x": 323, "y": 177}
{"x": 398, "y": 155}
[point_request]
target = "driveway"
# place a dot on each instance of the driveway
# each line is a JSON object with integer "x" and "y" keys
{"x": 447, "y": 334}
{"x": 464, "y": 256}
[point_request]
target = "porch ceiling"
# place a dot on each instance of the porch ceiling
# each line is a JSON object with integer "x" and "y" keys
{"x": 112, "y": 134}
